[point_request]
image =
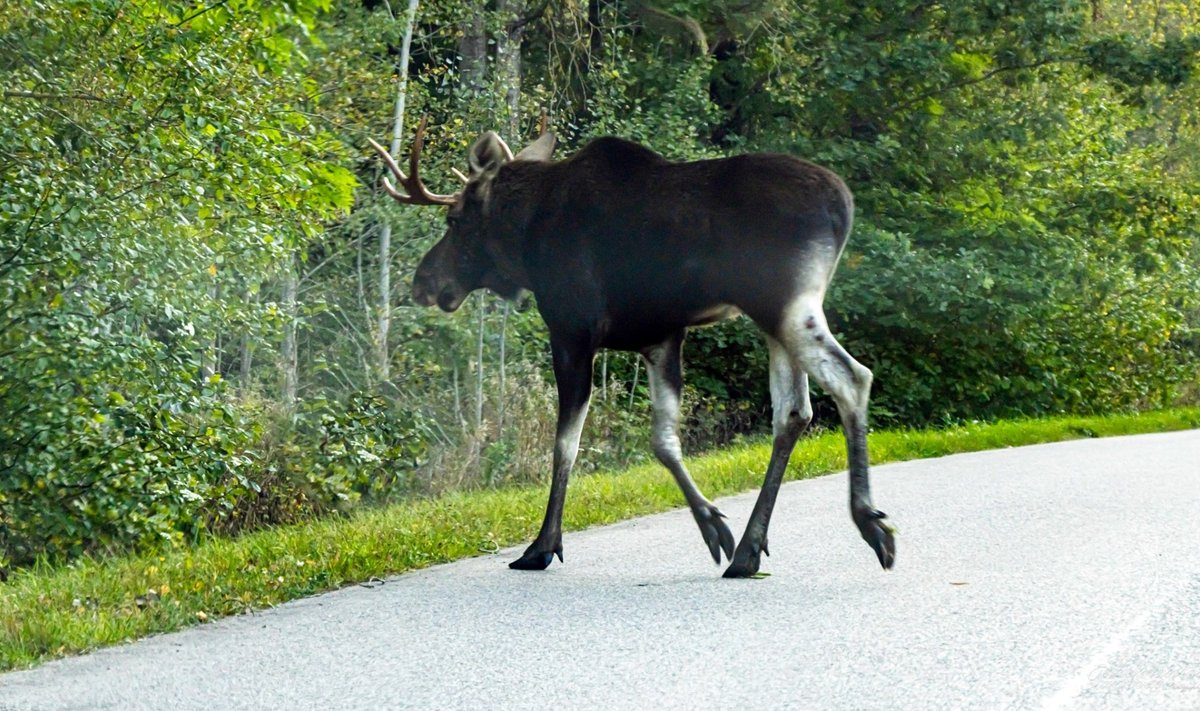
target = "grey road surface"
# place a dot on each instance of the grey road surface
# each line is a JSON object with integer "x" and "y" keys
{"x": 1055, "y": 576}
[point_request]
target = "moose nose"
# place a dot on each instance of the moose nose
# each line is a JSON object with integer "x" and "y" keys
{"x": 424, "y": 293}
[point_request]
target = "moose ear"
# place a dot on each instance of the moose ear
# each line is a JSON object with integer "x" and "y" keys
{"x": 488, "y": 154}
{"x": 539, "y": 149}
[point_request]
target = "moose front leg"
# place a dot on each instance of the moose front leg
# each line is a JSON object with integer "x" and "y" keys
{"x": 666, "y": 383}
{"x": 573, "y": 375}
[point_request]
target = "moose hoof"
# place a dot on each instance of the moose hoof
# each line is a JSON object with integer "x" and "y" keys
{"x": 536, "y": 558}
{"x": 881, "y": 536}
{"x": 716, "y": 534}
{"x": 745, "y": 561}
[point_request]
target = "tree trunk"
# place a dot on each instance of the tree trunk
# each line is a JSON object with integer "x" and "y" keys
{"x": 503, "y": 368}
{"x": 508, "y": 62}
{"x": 385, "y": 234}
{"x": 472, "y": 51}
{"x": 462, "y": 423}
{"x": 595, "y": 32}
{"x": 245, "y": 360}
{"x": 480, "y": 304}
{"x": 604, "y": 376}
{"x": 210, "y": 359}
{"x": 383, "y": 356}
{"x": 245, "y": 351}
{"x": 637, "y": 367}
{"x": 290, "y": 375}
{"x": 508, "y": 58}
{"x": 362, "y": 286}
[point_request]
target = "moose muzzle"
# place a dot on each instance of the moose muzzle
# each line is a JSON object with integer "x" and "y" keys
{"x": 429, "y": 290}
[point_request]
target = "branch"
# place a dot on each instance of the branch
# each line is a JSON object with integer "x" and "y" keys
{"x": 533, "y": 16}
{"x": 4, "y": 329}
{"x": 693, "y": 28}
{"x": 985, "y": 76}
{"x": 198, "y": 13}
{"x": 55, "y": 97}
{"x": 25, "y": 235}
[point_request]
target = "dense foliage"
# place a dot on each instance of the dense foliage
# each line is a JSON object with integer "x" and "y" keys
{"x": 199, "y": 331}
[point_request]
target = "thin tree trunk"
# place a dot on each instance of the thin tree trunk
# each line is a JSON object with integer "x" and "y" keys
{"x": 472, "y": 50}
{"x": 508, "y": 61}
{"x": 593, "y": 55}
{"x": 245, "y": 360}
{"x": 290, "y": 361}
{"x": 508, "y": 57}
{"x": 503, "y": 368}
{"x": 637, "y": 367}
{"x": 245, "y": 351}
{"x": 383, "y": 356}
{"x": 362, "y": 287}
{"x": 457, "y": 396}
{"x": 595, "y": 32}
{"x": 482, "y": 324}
{"x": 604, "y": 376}
{"x": 385, "y": 234}
{"x": 210, "y": 359}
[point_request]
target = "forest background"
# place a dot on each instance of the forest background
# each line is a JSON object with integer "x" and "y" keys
{"x": 206, "y": 325}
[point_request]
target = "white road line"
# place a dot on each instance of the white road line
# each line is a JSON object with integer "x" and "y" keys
{"x": 1076, "y": 684}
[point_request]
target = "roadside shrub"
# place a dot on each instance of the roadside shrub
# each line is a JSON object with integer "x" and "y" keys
{"x": 990, "y": 332}
{"x": 126, "y": 467}
{"x": 95, "y": 461}
{"x": 325, "y": 457}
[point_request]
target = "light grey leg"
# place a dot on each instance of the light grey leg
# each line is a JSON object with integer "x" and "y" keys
{"x": 806, "y": 335}
{"x": 666, "y": 384}
{"x": 573, "y": 374}
{"x": 791, "y": 413}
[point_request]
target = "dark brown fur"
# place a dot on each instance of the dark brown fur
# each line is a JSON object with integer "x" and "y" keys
{"x": 638, "y": 246}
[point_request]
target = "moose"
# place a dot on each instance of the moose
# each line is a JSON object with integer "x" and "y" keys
{"x": 624, "y": 249}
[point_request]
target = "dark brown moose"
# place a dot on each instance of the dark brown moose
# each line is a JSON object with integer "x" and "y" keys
{"x": 624, "y": 249}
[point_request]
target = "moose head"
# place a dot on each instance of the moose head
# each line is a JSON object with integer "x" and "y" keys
{"x": 470, "y": 255}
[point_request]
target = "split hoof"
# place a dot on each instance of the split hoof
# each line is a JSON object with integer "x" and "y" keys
{"x": 716, "y": 533}
{"x": 745, "y": 561}
{"x": 880, "y": 535}
{"x": 536, "y": 558}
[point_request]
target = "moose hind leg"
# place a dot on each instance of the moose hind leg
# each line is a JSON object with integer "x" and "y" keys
{"x": 666, "y": 383}
{"x": 791, "y": 413}
{"x": 849, "y": 383}
{"x": 573, "y": 375}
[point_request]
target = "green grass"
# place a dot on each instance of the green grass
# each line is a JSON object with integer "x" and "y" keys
{"x": 49, "y": 612}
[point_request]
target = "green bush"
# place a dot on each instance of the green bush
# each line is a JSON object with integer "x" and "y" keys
{"x": 988, "y": 333}
{"x": 330, "y": 454}
{"x": 122, "y": 466}
{"x": 95, "y": 458}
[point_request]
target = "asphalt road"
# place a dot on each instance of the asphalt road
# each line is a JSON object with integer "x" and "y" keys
{"x": 1055, "y": 576}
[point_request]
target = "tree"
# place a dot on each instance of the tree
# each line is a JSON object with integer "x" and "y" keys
{"x": 385, "y": 232}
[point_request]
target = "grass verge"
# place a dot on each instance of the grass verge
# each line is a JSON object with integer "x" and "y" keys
{"x": 50, "y": 612}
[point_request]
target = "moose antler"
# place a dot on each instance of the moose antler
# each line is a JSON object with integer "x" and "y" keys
{"x": 417, "y": 193}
